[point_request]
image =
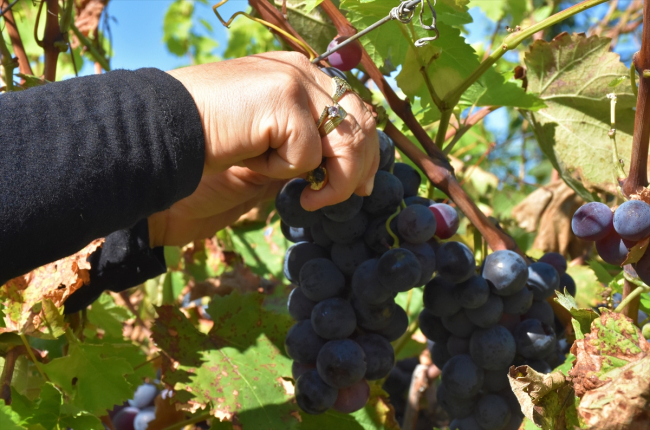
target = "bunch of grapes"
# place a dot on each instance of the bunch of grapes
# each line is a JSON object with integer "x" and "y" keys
{"x": 137, "y": 413}
{"x": 480, "y": 325}
{"x": 615, "y": 233}
{"x": 349, "y": 262}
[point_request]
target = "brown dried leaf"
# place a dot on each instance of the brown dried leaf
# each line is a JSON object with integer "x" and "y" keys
{"x": 636, "y": 252}
{"x": 55, "y": 281}
{"x": 644, "y": 195}
{"x": 87, "y": 14}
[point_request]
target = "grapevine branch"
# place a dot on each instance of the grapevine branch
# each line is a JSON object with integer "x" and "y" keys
{"x": 50, "y": 38}
{"x": 16, "y": 40}
{"x": 637, "y": 180}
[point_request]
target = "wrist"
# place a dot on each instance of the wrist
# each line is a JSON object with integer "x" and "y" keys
{"x": 157, "y": 224}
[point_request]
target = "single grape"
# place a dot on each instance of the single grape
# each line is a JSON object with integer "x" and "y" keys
{"x": 468, "y": 423}
{"x": 431, "y": 326}
{"x": 295, "y": 234}
{"x": 353, "y": 398}
{"x": 124, "y": 419}
{"x": 646, "y": 330}
{"x": 496, "y": 380}
{"x": 297, "y": 255}
{"x": 519, "y": 302}
{"x": 346, "y": 58}
{"x": 439, "y": 353}
{"x": 492, "y": 412}
{"x": 493, "y": 348}
{"x": 299, "y": 369}
{"x": 320, "y": 279}
{"x": 455, "y": 262}
{"x": 302, "y": 343}
{"x": 366, "y": 285}
{"x": 438, "y": 298}
{"x": 472, "y": 293}
{"x": 347, "y": 231}
{"x": 417, "y": 200}
{"x": 348, "y": 257}
{"x": 397, "y": 325}
{"x": 642, "y": 267}
{"x": 416, "y": 224}
{"x": 515, "y": 422}
{"x": 462, "y": 377}
{"x": 510, "y": 322}
{"x": 144, "y": 396}
{"x": 488, "y": 314}
{"x": 386, "y": 151}
{"x": 541, "y": 310}
{"x": 313, "y": 395}
{"x": 409, "y": 177}
{"x": 144, "y": 417}
{"x": 386, "y": 195}
{"x": 454, "y": 406}
{"x": 612, "y": 249}
{"x": 427, "y": 258}
{"x": 507, "y": 272}
{"x": 318, "y": 235}
{"x": 334, "y": 72}
{"x": 543, "y": 280}
{"x": 299, "y": 306}
{"x": 632, "y": 220}
{"x": 534, "y": 339}
{"x": 333, "y": 318}
{"x": 344, "y": 211}
{"x": 457, "y": 345}
{"x": 373, "y": 317}
{"x": 341, "y": 363}
{"x": 287, "y": 203}
{"x": 380, "y": 356}
{"x": 447, "y": 220}
{"x": 539, "y": 365}
{"x": 567, "y": 282}
{"x": 399, "y": 270}
{"x": 459, "y": 325}
{"x": 556, "y": 260}
{"x": 376, "y": 235}
{"x": 592, "y": 221}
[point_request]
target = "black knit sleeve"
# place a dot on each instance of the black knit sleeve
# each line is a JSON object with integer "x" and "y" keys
{"x": 83, "y": 158}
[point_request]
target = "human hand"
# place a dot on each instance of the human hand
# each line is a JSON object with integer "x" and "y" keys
{"x": 261, "y": 111}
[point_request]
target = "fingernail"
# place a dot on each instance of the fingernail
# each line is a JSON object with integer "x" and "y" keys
{"x": 369, "y": 187}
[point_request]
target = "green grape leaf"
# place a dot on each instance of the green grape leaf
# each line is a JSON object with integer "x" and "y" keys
{"x": 74, "y": 418}
{"x": 571, "y": 74}
{"x": 588, "y": 288}
{"x": 246, "y": 37}
{"x": 108, "y": 316}
{"x": 177, "y": 25}
{"x": 313, "y": 25}
{"x": 582, "y": 318}
{"x": 9, "y": 420}
{"x": 261, "y": 247}
{"x": 93, "y": 376}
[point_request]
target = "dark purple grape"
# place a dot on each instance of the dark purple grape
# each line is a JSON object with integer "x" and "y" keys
{"x": 454, "y": 406}
{"x": 492, "y": 412}
{"x": 299, "y": 369}
{"x": 295, "y": 234}
{"x": 438, "y": 298}
{"x": 439, "y": 353}
{"x": 313, "y": 395}
{"x": 374, "y": 317}
{"x": 493, "y": 348}
{"x": 416, "y": 224}
{"x": 462, "y": 377}
{"x": 541, "y": 310}
{"x": 556, "y": 260}
{"x": 592, "y": 221}
{"x": 353, "y": 398}
{"x": 366, "y": 285}
{"x": 333, "y": 72}
{"x": 399, "y": 270}
{"x": 496, "y": 380}
{"x": 124, "y": 419}
{"x": 297, "y": 255}
{"x": 144, "y": 396}
{"x": 566, "y": 281}
{"x": 318, "y": 235}
{"x": 539, "y": 365}
{"x": 344, "y": 211}
{"x": 506, "y": 271}
{"x": 455, "y": 262}
{"x": 459, "y": 325}
{"x": 427, "y": 258}
{"x": 543, "y": 280}
{"x": 380, "y": 356}
{"x": 612, "y": 249}
{"x": 376, "y": 235}
{"x": 320, "y": 279}
{"x": 409, "y": 177}
{"x": 348, "y": 257}
{"x": 386, "y": 195}
{"x": 302, "y": 343}
{"x": 457, "y": 345}
{"x": 514, "y": 423}
{"x": 632, "y": 220}
{"x": 431, "y": 326}
{"x": 534, "y": 339}
{"x": 346, "y": 58}
{"x": 447, "y": 220}
{"x": 333, "y": 319}
{"x": 341, "y": 363}
{"x": 287, "y": 203}
{"x": 386, "y": 151}
{"x": 519, "y": 302}
{"x": 472, "y": 293}
{"x": 144, "y": 417}
{"x": 468, "y": 423}
{"x": 397, "y": 325}
{"x": 417, "y": 200}
{"x": 488, "y": 314}
{"x": 299, "y": 306}
{"x": 347, "y": 231}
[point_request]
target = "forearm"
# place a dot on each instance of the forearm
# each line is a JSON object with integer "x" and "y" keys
{"x": 86, "y": 157}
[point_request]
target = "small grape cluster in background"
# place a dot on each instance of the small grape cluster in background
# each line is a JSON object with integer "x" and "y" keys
{"x": 138, "y": 412}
